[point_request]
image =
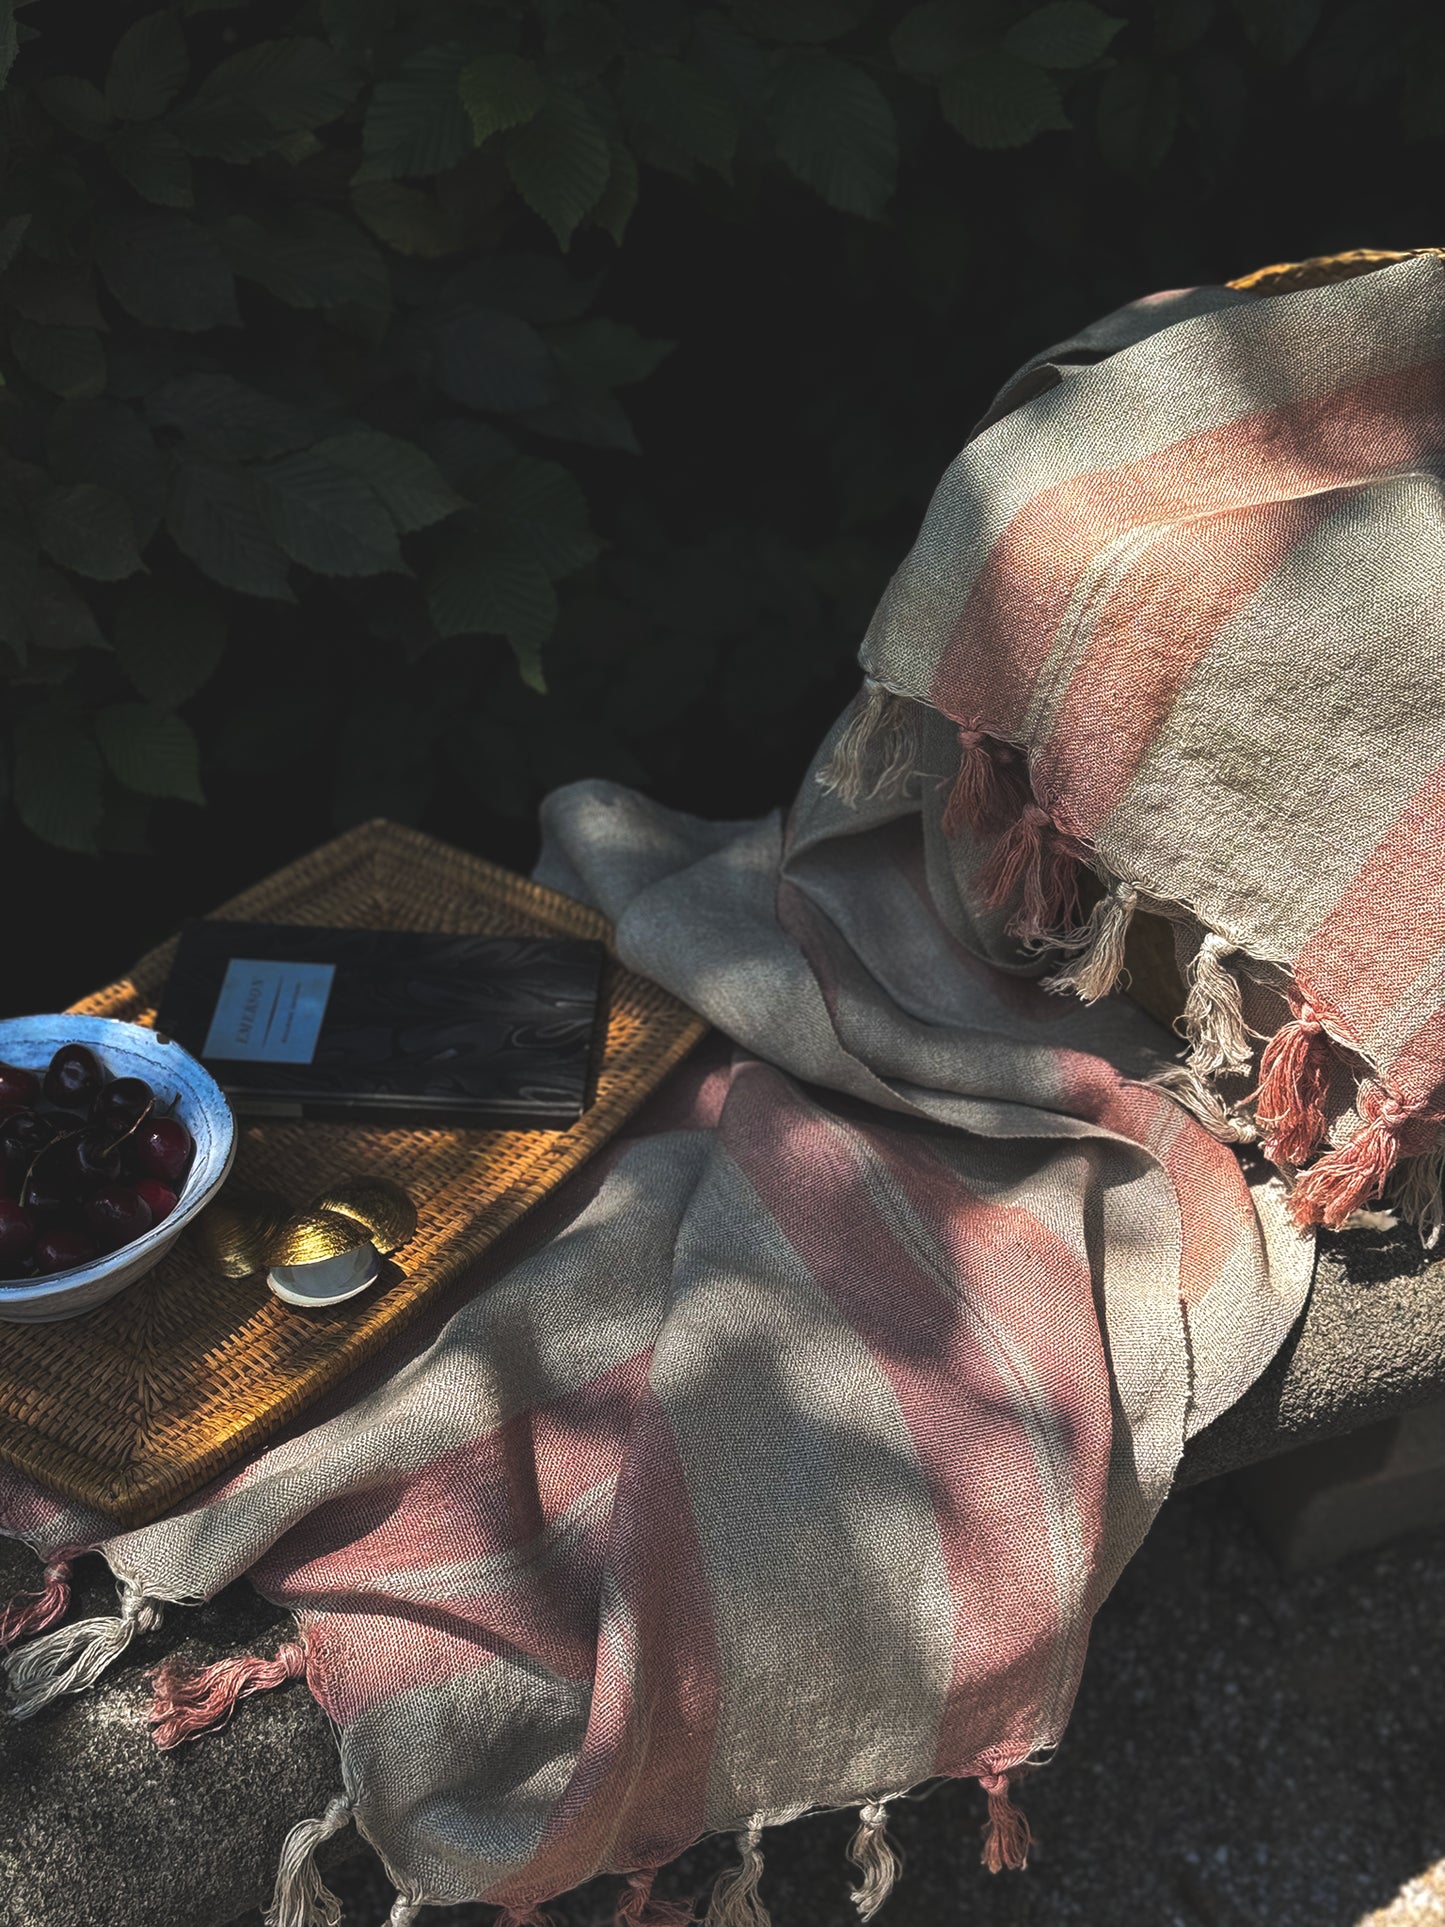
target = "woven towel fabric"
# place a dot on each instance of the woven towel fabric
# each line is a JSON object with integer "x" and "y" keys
{"x": 1182, "y": 602}
{"x": 783, "y": 1457}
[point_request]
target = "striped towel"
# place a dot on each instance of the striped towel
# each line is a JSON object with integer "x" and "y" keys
{"x": 783, "y": 1458}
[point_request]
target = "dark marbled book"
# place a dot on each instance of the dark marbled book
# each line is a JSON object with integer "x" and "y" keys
{"x": 403, "y": 1027}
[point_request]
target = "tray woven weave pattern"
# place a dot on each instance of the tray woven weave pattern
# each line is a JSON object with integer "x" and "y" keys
{"x": 133, "y": 1407}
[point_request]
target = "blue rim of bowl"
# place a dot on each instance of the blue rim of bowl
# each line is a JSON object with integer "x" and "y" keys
{"x": 97, "y": 1031}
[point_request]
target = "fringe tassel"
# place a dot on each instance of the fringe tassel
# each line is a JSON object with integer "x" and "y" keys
{"x": 1036, "y": 861}
{"x": 302, "y": 1899}
{"x": 735, "y": 1900}
{"x": 1345, "y": 1178}
{"x": 1294, "y": 1076}
{"x": 1006, "y": 1833}
{"x": 872, "y": 1853}
{"x": 878, "y": 736}
{"x": 1213, "y": 1020}
{"x": 1099, "y": 964}
{"x": 71, "y": 1658}
{"x": 404, "y": 1912}
{"x": 637, "y": 1906}
{"x": 185, "y": 1705}
{"x": 1201, "y": 1100}
{"x": 32, "y": 1612}
{"x": 990, "y": 788}
{"x": 1419, "y": 1192}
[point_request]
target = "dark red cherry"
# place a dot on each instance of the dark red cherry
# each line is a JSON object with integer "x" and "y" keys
{"x": 17, "y": 1087}
{"x": 23, "y": 1135}
{"x": 160, "y": 1198}
{"x": 122, "y": 1102}
{"x": 160, "y": 1148}
{"x": 61, "y": 1247}
{"x": 116, "y": 1214}
{"x": 72, "y": 1078}
{"x": 91, "y": 1158}
{"x": 50, "y": 1188}
{"x": 17, "y": 1231}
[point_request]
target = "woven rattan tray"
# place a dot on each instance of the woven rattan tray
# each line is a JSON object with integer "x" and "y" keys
{"x": 133, "y": 1407}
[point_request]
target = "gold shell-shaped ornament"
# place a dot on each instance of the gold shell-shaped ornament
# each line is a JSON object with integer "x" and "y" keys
{"x": 236, "y": 1231}
{"x": 309, "y": 1236}
{"x": 383, "y": 1208}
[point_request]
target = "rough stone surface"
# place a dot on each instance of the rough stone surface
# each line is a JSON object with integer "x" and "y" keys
{"x": 1245, "y": 1748}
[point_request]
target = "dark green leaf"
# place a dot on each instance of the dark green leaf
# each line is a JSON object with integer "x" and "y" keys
{"x": 684, "y": 108}
{"x": 999, "y": 101}
{"x": 1064, "y": 33}
{"x": 87, "y": 528}
{"x": 1180, "y": 24}
{"x": 501, "y": 91}
{"x": 326, "y": 518}
{"x": 1138, "y": 116}
{"x": 407, "y": 219}
{"x": 58, "y": 778}
{"x": 619, "y": 197}
{"x": 169, "y": 643}
{"x": 309, "y": 257}
{"x": 215, "y": 520}
{"x": 941, "y": 34}
{"x": 150, "y": 751}
{"x": 1279, "y": 28}
{"x": 559, "y": 163}
{"x": 592, "y": 420}
{"x": 474, "y": 591}
{"x": 409, "y": 485}
{"x": 220, "y": 416}
{"x": 148, "y": 68}
{"x": 415, "y": 122}
{"x": 602, "y": 353}
{"x": 70, "y": 362}
{"x": 800, "y": 20}
{"x": 537, "y": 508}
{"x": 294, "y": 84}
{"x": 57, "y": 616}
{"x": 835, "y": 131}
{"x": 55, "y": 295}
{"x": 166, "y": 271}
{"x": 106, "y": 442}
{"x": 154, "y": 162}
{"x": 78, "y": 105}
{"x": 468, "y": 453}
{"x": 489, "y": 360}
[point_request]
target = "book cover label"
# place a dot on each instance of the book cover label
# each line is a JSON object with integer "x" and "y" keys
{"x": 269, "y": 1011}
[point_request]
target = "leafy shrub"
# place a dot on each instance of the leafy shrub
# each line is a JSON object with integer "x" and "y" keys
{"x": 326, "y": 331}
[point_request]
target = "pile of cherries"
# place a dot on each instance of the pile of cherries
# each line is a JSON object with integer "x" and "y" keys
{"x": 87, "y": 1163}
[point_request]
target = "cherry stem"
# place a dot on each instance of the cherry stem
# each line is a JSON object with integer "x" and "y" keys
{"x": 134, "y": 1125}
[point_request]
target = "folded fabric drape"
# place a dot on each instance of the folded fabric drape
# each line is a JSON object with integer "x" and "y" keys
{"x": 783, "y": 1459}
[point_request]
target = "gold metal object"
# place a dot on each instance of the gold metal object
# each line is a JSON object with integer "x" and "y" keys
{"x": 386, "y": 1211}
{"x": 236, "y": 1229}
{"x": 309, "y": 1236}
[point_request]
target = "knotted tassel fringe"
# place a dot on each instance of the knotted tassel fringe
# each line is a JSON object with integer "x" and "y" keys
{"x": 877, "y": 738}
{"x": 638, "y": 1906}
{"x": 990, "y": 788}
{"x": 1229, "y": 1124}
{"x": 32, "y": 1612}
{"x": 1099, "y": 944}
{"x": 735, "y": 1900}
{"x": 1419, "y": 1192}
{"x": 1006, "y": 1833}
{"x": 1213, "y": 1020}
{"x": 185, "y": 1705}
{"x": 1036, "y": 861}
{"x": 872, "y": 1853}
{"x": 1294, "y": 1076}
{"x": 302, "y": 1899}
{"x": 404, "y": 1912}
{"x": 71, "y": 1658}
{"x": 1354, "y": 1173}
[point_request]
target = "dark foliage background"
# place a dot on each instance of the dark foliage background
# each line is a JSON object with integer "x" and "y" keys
{"x": 410, "y": 405}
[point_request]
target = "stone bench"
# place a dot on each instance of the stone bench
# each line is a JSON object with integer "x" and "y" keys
{"x": 96, "y": 1827}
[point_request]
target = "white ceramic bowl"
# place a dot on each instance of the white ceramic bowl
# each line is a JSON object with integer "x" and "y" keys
{"x": 124, "y": 1050}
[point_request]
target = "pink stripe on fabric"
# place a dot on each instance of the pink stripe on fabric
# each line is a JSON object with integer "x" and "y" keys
{"x": 1359, "y": 958}
{"x": 966, "y": 1413}
{"x": 1001, "y": 642}
{"x": 638, "y": 1795}
{"x": 1147, "y": 639}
